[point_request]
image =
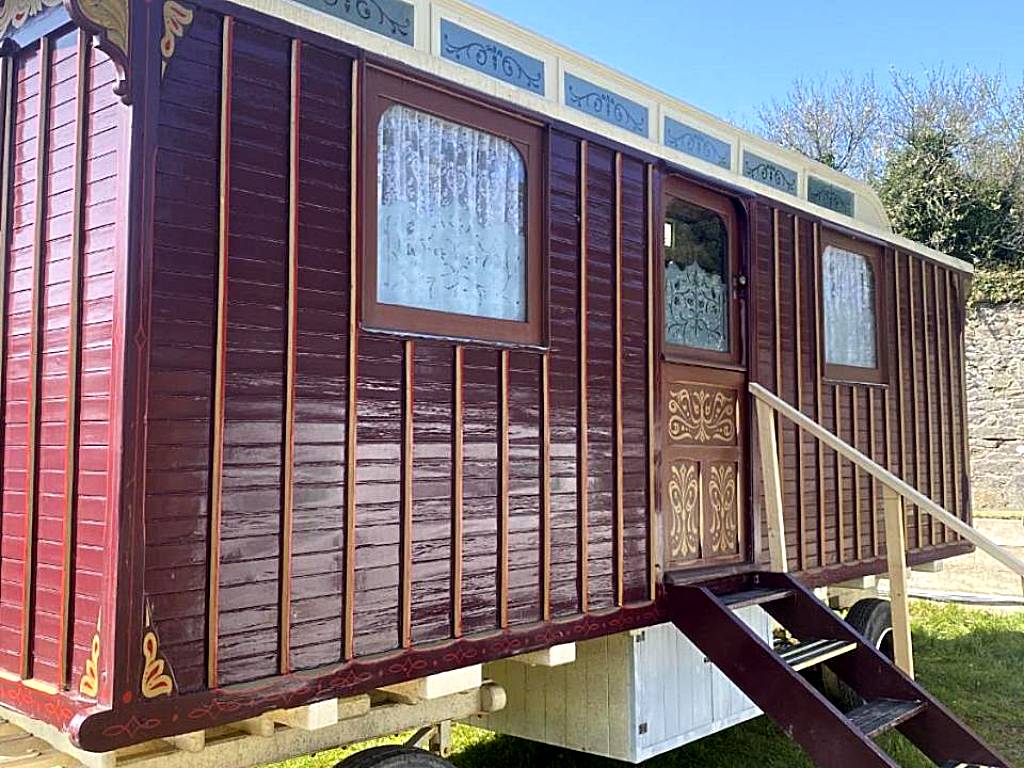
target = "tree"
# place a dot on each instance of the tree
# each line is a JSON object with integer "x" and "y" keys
{"x": 836, "y": 123}
{"x": 932, "y": 199}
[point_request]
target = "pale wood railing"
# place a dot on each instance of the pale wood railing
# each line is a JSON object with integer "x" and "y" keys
{"x": 895, "y": 495}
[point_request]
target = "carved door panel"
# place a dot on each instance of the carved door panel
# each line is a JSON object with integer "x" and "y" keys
{"x": 703, "y": 480}
{"x": 702, "y": 391}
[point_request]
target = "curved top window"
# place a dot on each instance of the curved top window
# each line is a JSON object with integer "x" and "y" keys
{"x": 848, "y": 293}
{"x": 696, "y": 252}
{"x": 451, "y": 218}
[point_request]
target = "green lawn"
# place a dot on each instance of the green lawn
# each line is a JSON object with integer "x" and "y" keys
{"x": 971, "y": 660}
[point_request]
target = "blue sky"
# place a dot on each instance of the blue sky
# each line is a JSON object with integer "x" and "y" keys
{"x": 728, "y": 56}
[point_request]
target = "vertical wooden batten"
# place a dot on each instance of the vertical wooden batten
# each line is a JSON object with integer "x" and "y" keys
{"x": 955, "y": 444}
{"x": 503, "y": 489}
{"x": 35, "y": 357}
{"x": 351, "y": 409}
{"x": 220, "y": 356}
{"x": 652, "y": 351}
{"x": 777, "y": 319}
{"x": 840, "y": 503}
{"x": 901, "y": 394}
{"x": 819, "y": 353}
{"x": 858, "y": 522}
{"x": 942, "y": 376}
{"x": 288, "y": 453}
{"x": 458, "y": 474}
{"x": 405, "y": 561}
{"x": 619, "y": 525}
{"x": 872, "y": 442}
{"x": 7, "y": 104}
{"x": 545, "y": 491}
{"x": 583, "y": 438}
{"x": 798, "y": 355}
{"x": 927, "y": 327}
{"x": 915, "y": 397}
{"x": 74, "y": 355}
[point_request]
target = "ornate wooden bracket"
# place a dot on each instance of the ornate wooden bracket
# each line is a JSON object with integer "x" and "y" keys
{"x": 177, "y": 19}
{"x": 110, "y": 22}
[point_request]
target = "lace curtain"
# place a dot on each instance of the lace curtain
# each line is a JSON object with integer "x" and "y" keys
{"x": 451, "y": 213}
{"x": 849, "y": 294}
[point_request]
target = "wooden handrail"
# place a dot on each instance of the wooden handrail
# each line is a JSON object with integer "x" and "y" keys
{"x": 890, "y": 480}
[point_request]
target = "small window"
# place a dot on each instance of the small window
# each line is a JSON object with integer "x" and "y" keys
{"x": 454, "y": 247}
{"x": 850, "y": 312}
{"x": 696, "y": 281}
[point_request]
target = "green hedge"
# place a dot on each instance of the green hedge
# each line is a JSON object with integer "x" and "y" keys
{"x": 997, "y": 286}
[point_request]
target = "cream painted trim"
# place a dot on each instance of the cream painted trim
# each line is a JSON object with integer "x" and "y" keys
{"x": 870, "y": 219}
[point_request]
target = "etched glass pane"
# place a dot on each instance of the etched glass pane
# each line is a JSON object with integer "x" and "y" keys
{"x": 451, "y": 218}
{"x": 696, "y": 278}
{"x": 848, "y": 285}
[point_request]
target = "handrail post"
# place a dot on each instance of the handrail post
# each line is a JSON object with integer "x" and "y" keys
{"x": 772, "y": 476}
{"x": 896, "y": 545}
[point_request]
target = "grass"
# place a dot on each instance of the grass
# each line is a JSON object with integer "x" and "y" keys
{"x": 970, "y": 659}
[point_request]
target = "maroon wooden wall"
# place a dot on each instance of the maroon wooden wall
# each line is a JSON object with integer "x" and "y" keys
{"x": 447, "y": 489}
{"x": 913, "y": 424}
{"x": 61, "y": 287}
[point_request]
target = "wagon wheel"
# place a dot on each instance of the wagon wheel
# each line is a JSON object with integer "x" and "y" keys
{"x": 393, "y": 757}
{"x": 871, "y": 617}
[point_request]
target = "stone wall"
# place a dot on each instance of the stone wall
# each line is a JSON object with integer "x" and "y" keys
{"x": 995, "y": 402}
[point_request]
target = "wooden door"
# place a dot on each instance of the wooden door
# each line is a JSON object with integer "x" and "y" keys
{"x": 703, "y": 474}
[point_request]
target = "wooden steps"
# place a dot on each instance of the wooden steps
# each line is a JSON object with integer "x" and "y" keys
{"x": 772, "y": 679}
{"x": 811, "y": 653}
{"x": 737, "y": 600}
{"x": 881, "y": 715}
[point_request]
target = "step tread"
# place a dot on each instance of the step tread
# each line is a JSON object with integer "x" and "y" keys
{"x": 810, "y": 653}
{"x": 955, "y": 764}
{"x": 881, "y": 715}
{"x": 749, "y": 597}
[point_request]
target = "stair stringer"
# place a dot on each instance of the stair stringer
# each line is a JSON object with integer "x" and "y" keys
{"x": 806, "y": 716}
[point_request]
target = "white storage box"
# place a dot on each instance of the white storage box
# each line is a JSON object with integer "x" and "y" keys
{"x": 630, "y": 696}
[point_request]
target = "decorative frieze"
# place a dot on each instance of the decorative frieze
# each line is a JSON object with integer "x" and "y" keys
{"x": 466, "y": 47}
{"x": 829, "y": 196}
{"x": 697, "y": 143}
{"x": 391, "y": 18}
{"x": 767, "y": 172}
{"x": 606, "y": 105}
{"x": 177, "y": 19}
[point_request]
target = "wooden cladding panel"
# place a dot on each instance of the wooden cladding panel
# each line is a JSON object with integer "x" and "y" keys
{"x": 321, "y": 375}
{"x": 633, "y": 234}
{"x": 433, "y": 440}
{"x": 58, "y": 390}
{"x": 600, "y": 288}
{"x": 254, "y": 356}
{"x": 18, "y": 349}
{"x": 563, "y": 255}
{"x": 181, "y": 350}
{"x": 378, "y": 495}
{"x": 912, "y": 424}
{"x": 54, "y": 427}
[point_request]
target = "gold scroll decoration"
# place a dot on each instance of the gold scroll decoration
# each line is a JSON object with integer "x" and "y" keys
{"x": 721, "y": 508}
{"x": 701, "y": 415}
{"x": 157, "y": 679}
{"x": 89, "y": 685}
{"x": 14, "y": 13}
{"x": 110, "y": 22}
{"x": 177, "y": 19}
{"x": 684, "y": 507}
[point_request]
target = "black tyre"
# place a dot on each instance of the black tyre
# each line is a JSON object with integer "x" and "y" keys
{"x": 393, "y": 756}
{"x": 872, "y": 618}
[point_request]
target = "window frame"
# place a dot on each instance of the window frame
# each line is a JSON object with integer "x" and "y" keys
{"x": 385, "y": 88}
{"x": 873, "y": 255}
{"x": 677, "y": 188}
